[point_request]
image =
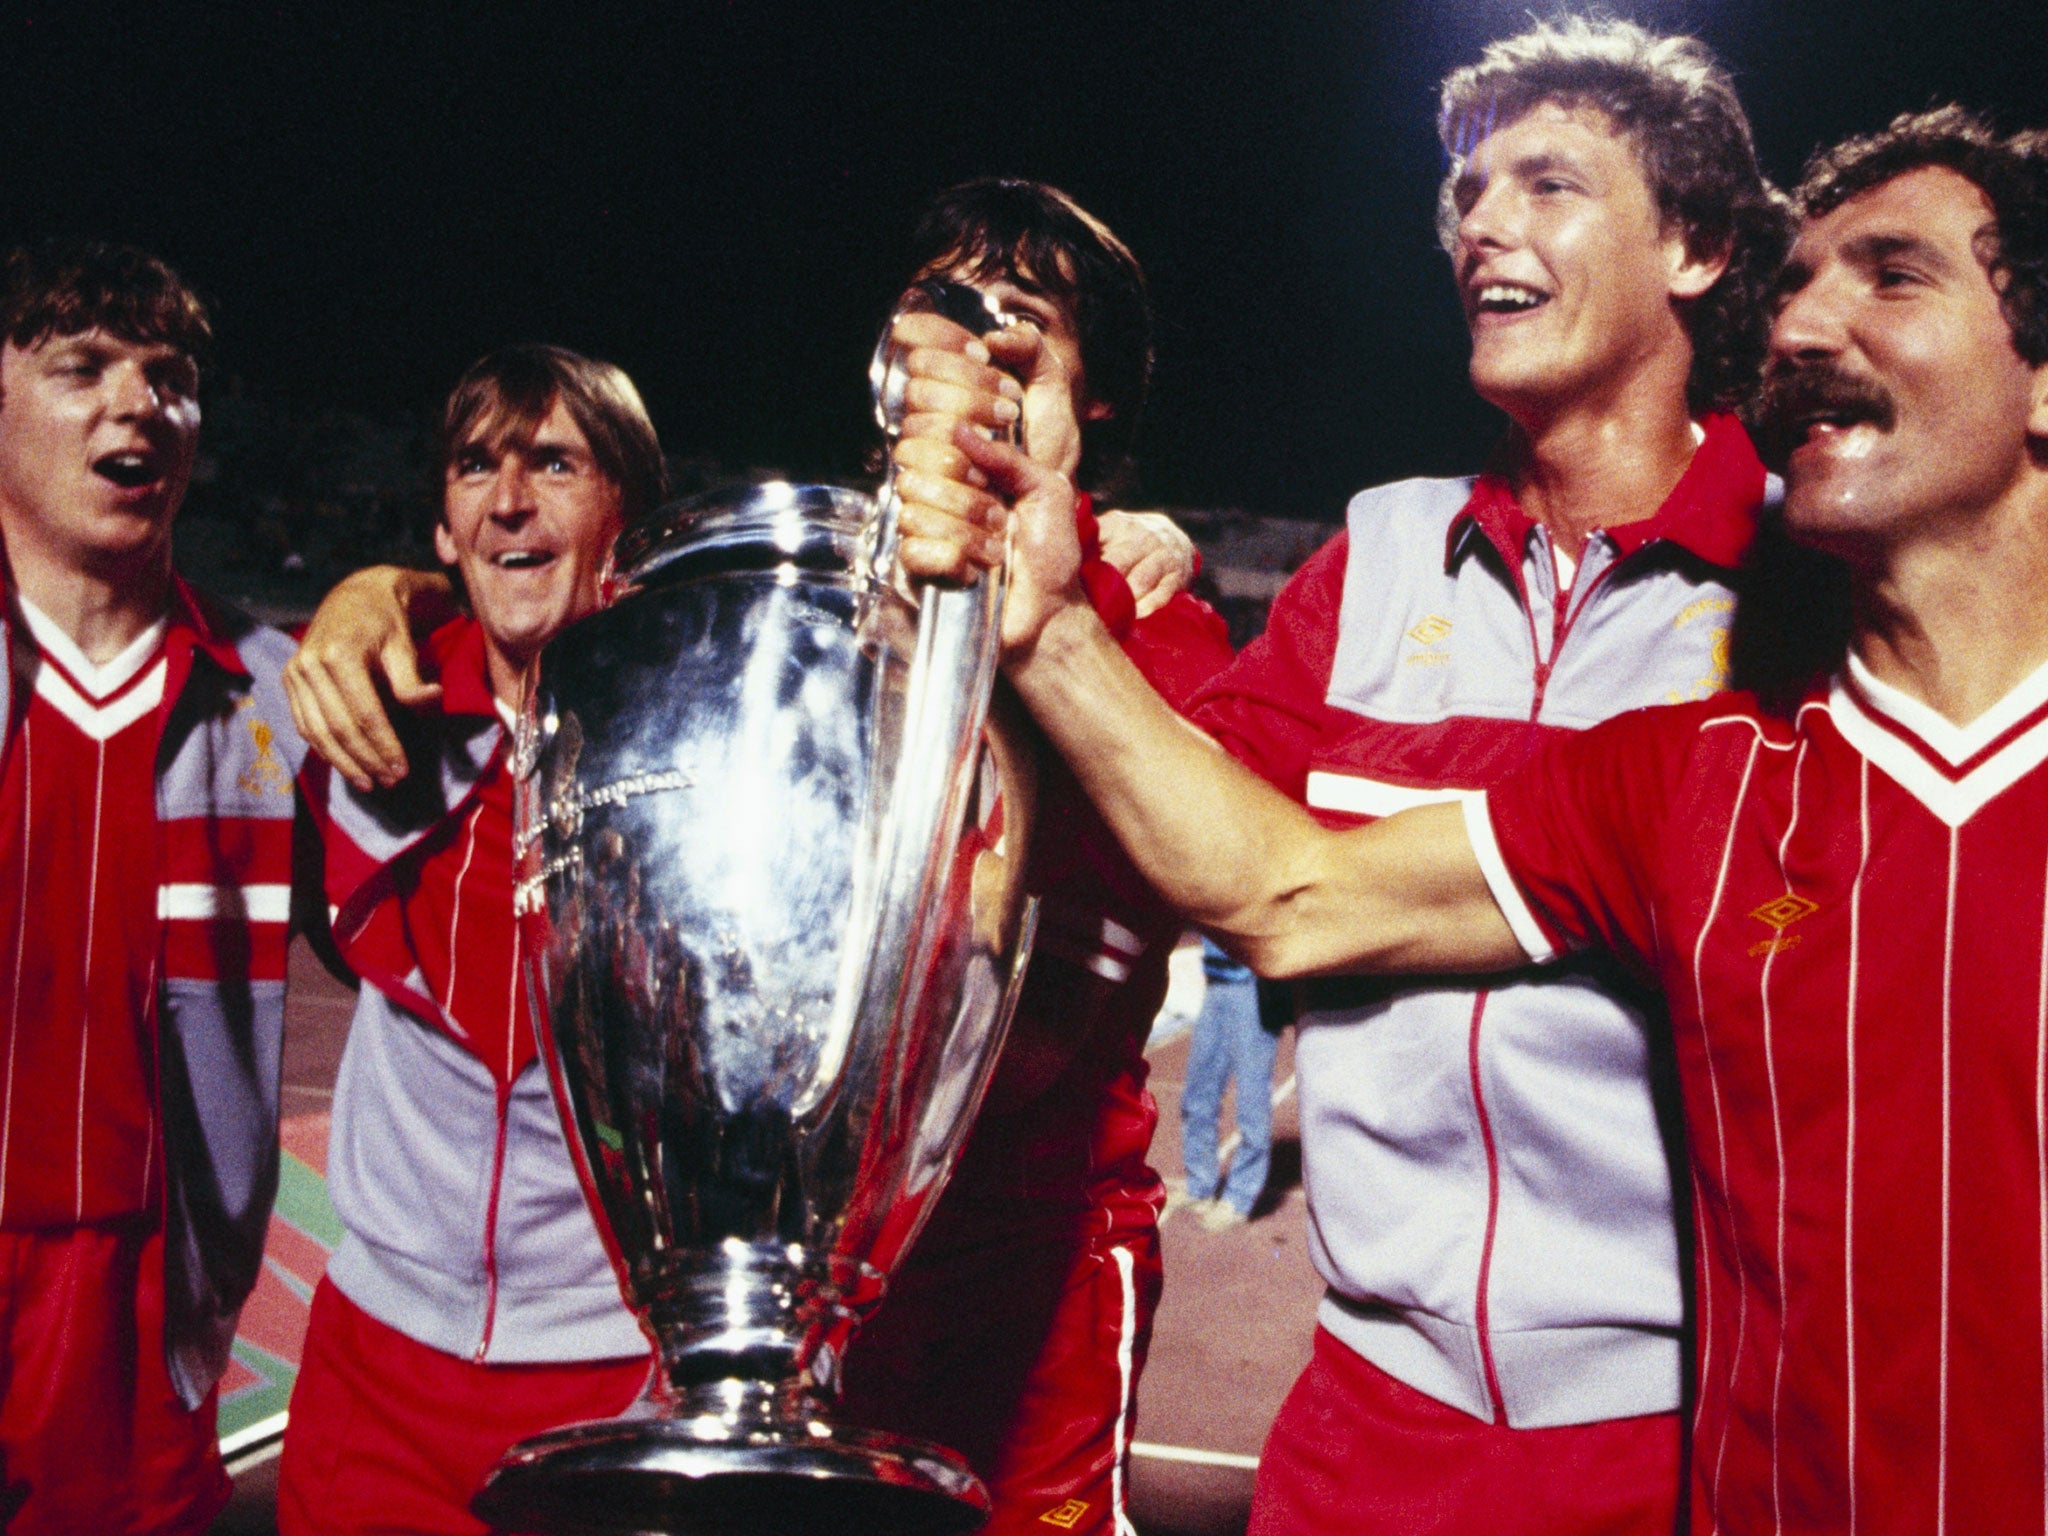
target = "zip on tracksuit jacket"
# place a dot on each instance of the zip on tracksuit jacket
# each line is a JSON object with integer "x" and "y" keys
{"x": 1489, "y": 1169}
{"x": 227, "y": 762}
{"x": 467, "y": 1228}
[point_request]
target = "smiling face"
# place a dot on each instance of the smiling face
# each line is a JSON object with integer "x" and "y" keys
{"x": 1895, "y": 395}
{"x": 97, "y": 437}
{"x": 528, "y": 521}
{"x": 1564, "y": 266}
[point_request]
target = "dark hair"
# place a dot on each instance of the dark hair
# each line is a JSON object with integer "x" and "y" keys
{"x": 64, "y": 287}
{"x": 2012, "y": 173}
{"x": 1017, "y": 229}
{"x": 504, "y": 398}
{"x": 1676, "y": 106}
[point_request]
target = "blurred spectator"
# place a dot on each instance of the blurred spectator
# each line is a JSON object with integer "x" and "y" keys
{"x": 1232, "y": 1039}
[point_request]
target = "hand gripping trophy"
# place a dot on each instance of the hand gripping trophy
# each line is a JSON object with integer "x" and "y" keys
{"x": 771, "y": 854}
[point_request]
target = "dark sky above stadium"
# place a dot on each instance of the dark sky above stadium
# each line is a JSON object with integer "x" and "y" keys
{"x": 717, "y": 194}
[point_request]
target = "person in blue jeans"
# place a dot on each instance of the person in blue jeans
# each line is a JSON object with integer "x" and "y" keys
{"x": 1230, "y": 1040}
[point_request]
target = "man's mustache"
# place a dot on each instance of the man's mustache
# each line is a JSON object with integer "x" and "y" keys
{"x": 1798, "y": 394}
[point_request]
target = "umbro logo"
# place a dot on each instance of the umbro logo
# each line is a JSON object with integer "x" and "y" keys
{"x": 1066, "y": 1516}
{"x": 1426, "y": 634}
{"x": 1778, "y": 914}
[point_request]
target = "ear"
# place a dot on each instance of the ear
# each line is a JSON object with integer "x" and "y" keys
{"x": 444, "y": 542}
{"x": 2037, "y": 405}
{"x": 1690, "y": 274}
{"x": 1096, "y": 410}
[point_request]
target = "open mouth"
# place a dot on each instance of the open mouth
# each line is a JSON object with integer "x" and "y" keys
{"x": 523, "y": 559}
{"x": 130, "y": 471}
{"x": 1814, "y": 422}
{"x": 1818, "y": 401}
{"x": 1507, "y": 299}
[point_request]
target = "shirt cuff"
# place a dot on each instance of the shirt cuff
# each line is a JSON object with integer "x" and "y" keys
{"x": 1506, "y": 894}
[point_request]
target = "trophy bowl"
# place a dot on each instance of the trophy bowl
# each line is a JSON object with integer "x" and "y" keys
{"x": 771, "y": 856}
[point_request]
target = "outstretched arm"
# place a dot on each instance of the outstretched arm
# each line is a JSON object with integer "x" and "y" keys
{"x": 1290, "y": 896}
{"x": 362, "y": 641}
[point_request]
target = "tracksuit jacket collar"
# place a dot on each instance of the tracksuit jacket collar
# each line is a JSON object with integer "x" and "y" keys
{"x": 1710, "y": 513}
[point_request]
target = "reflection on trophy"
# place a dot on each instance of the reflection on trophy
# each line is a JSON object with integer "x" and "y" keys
{"x": 771, "y": 855}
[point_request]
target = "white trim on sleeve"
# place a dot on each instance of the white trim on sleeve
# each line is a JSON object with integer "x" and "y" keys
{"x": 1357, "y": 795}
{"x": 256, "y": 903}
{"x": 1506, "y": 894}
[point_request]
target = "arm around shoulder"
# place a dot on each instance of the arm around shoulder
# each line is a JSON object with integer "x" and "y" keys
{"x": 359, "y": 654}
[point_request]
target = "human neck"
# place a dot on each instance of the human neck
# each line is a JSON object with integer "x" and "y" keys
{"x": 1957, "y": 621}
{"x": 1599, "y": 464}
{"x": 506, "y": 674}
{"x": 103, "y": 612}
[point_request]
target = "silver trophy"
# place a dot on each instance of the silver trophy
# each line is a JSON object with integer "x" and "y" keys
{"x": 772, "y": 852}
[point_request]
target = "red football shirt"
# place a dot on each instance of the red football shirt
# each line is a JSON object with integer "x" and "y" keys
{"x": 79, "y": 933}
{"x": 1847, "y": 909}
{"x": 455, "y": 902}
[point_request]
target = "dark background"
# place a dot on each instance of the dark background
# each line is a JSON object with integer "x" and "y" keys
{"x": 716, "y": 195}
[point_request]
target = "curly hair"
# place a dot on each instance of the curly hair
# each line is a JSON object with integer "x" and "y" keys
{"x": 64, "y": 287}
{"x": 2012, "y": 173}
{"x": 1006, "y": 227}
{"x": 1676, "y": 106}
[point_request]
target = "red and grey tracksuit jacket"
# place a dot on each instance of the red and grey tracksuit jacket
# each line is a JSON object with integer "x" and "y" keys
{"x": 227, "y": 763}
{"x": 466, "y": 1226}
{"x": 1488, "y": 1169}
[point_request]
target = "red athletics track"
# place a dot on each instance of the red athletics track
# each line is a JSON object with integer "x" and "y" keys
{"x": 1232, "y": 1333}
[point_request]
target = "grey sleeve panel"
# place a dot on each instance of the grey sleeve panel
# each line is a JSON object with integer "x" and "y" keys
{"x": 220, "y": 1074}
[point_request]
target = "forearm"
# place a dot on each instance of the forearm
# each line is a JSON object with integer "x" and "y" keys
{"x": 1286, "y": 894}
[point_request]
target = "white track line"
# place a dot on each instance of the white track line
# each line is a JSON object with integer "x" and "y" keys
{"x": 253, "y": 1446}
{"x": 1194, "y": 1457}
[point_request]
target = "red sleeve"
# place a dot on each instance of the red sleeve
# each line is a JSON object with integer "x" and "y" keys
{"x": 1578, "y": 831}
{"x": 1179, "y": 647}
{"x": 1108, "y": 593}
{"x": 1267, "y": 708}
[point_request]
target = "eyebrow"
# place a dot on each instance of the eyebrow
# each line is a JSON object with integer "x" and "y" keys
{"x": 1882, "y": 245}
{"x": 95, "y": 347}
{"x": 553, "y": 447}
{"x": 1542, "y": 161}
{"x": 1524, "y": 168}
{"x": 502, "y": 438}
{"x": 79, "y": 344}
{"x": 1865, "y": 252}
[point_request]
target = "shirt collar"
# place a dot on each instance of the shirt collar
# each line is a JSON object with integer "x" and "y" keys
{"x": 457, "y": 648}
{"x": 1710, "y": 513}
{"x": 194, "y": 617}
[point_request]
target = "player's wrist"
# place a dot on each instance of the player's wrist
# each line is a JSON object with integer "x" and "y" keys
{"x": 1046, "y": 666}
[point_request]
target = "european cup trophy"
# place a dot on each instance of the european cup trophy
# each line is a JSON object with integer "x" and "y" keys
{"x": 772, "y": 845}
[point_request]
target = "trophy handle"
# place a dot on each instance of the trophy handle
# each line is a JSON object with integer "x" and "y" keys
{"x": 890, "y": 380}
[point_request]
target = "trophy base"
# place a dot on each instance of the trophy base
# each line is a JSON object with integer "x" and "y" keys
{"x": 626, "y": 1477}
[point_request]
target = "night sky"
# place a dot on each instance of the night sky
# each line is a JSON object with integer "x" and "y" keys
{"x": 717, "y": 195}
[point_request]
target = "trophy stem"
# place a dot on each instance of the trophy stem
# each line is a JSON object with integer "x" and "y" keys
{"x": 747, "y": 1314}
{"x": 732, "y": 1439}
